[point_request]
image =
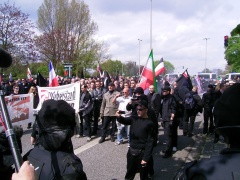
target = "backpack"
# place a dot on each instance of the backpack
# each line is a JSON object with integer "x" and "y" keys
{"x": 189, "y": 101}
{"x": 55, "y": 165}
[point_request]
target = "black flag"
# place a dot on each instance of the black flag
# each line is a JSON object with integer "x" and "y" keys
{"x": 185, "y": 80}
{"x": 41, "y": 80}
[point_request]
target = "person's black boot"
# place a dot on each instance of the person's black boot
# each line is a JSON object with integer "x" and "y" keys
{"x": 101, "y": 140}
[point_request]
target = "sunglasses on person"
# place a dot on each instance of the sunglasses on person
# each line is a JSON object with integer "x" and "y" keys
{"x": 140, "y": 109}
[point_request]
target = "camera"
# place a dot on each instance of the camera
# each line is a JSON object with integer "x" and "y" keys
{"x": 135, "y": 98}
{"x": 121, "y": 112}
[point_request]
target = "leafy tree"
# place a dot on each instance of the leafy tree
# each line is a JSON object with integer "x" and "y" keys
{"x": 67, "y": 34}
{"x": 232, "y": 52}
{"x": 16, "y": 36}
{"x": 112, "y": 67}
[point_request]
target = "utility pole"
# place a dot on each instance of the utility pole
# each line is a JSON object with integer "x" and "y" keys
{"x": 206, "y": 54}
{"x": 139, "y": 40}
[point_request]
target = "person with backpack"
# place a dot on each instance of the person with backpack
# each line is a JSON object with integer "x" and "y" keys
{"x": 192, "y": 105}
{"x": 208, "y": 103}
{"x": 53, "y": 156}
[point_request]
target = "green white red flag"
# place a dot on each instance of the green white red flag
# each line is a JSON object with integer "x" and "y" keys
{"x": 148, "y": 74}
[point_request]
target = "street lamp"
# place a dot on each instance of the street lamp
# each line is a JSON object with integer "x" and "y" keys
{"x": 206, "y": 53}
{"x": 139, "y": 40}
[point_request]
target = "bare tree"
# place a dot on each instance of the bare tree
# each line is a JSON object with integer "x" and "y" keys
{"x": 16, "y": 34}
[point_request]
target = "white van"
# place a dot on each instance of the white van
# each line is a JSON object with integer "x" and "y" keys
{"x": 230, "y": 76}
{"x": 208, "y": 76}
{"x": 171, "y": 76}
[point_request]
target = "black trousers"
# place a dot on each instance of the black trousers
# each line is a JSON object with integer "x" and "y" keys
{"x": 188, "y": 121}
{"x": 96, "y": 114}
{"x": 208, "y": 115}
{"x": 134, "y": 166}
{"x": 106, "y": 121}
{"x": 171, "y": 134}
{"x": 87, "y": 121}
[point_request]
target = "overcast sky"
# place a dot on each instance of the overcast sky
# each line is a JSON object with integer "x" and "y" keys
{"x": 178, "y": 29}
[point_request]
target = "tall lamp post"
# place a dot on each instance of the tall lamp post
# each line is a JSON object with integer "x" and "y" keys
{"x": 206, "y": 39}
{"x": 139, "y": 40}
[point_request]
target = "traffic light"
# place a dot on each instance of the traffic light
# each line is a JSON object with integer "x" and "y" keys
{"x": 225, "y": 41}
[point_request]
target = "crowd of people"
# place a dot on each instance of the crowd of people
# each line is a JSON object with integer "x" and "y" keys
{"x": 120, "y": 109}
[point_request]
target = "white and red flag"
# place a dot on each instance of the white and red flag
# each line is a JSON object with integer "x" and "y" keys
{"x": 99, "y": 69}
{"x": 53, "y": 80}
{"x": 148, "y": 74}
{"x": 160, "y": 68}
{"x": 29, "y": 74}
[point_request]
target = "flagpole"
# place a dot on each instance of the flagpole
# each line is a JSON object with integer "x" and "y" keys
{"x": 151, "y": 27}
{"x": 139, "y": 40}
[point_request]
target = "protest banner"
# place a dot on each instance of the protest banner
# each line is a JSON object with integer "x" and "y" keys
{"x": 20, "y": 109}
{"x": 69, "y": 93}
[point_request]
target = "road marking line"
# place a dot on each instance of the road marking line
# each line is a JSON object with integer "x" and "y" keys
{"x": 86, "y": 146}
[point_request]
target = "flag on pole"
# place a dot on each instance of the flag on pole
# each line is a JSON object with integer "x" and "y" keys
{"x": 148, "y": 74}
{"x": 53, "y": 80}
{"x": 160, "y": 68}
{"x": 99, "y": 69}
{"x": 10, "y": 77}
{"x": 185, "y": 80}
{"x": 197, "y": 79}
{"x": 29, "y": 75}
{"x": 41, "y": 81}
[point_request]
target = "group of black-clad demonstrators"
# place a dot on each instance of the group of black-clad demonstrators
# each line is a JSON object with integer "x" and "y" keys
{"x": 128, "y": 106}
{"x": 227, "y": 124}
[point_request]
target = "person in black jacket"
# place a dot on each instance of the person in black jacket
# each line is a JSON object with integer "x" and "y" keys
{"x": 208, "y": 102}
{"x": 85, "y": 111}
{"x": 97, "y": 97}
{"x": 132, "y": 106}
{"x": 190, "y": 114}
{"x": 217, "y": 94}
{"x": 139, "y": 155}
{"x": 226, "y": 164}
{"x": 153, "y": 100}
{"x": 168, "y": 112}
{"x": 53, "y": 157}
{"x": 180, "y": 106}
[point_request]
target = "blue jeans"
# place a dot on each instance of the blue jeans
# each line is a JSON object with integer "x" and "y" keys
{"x": 121, "y": 128}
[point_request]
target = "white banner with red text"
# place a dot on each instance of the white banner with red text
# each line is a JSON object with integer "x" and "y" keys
{"x": 69, "y": 93}
{"x": 20, "y": 109}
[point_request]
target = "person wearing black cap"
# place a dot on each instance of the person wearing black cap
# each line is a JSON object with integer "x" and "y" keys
{"x": 139, "y": 156}
{"x": 208, "y": 102}
{"x": 226, "y": 164}
{"x": 168, "y": 111}
{"x": 53, "y": 156}
{"x": 108, "y": 111}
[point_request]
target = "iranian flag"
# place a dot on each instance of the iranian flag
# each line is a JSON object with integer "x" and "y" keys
{"x": 148, "y": 74}
{"x": 160, "y": 68}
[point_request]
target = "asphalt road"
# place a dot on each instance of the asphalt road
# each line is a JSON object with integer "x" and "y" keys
{"x": 107, "y": 161}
